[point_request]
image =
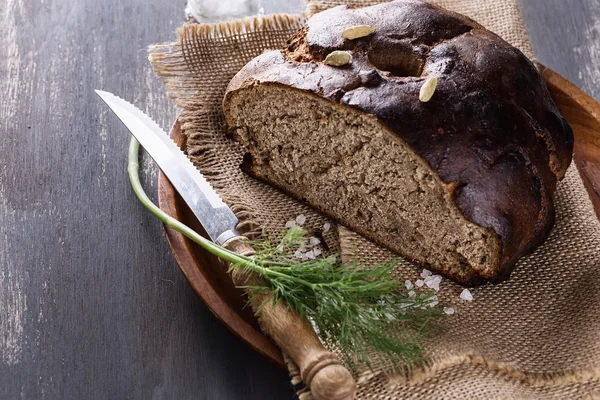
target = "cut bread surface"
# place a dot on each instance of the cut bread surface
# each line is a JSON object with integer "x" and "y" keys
{"x": 348, "y": 165}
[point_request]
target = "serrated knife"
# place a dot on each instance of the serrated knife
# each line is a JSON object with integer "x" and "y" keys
{"x": 318, "y": 368}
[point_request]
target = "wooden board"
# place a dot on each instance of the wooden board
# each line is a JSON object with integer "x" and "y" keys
{"x": 209, "y": 278}
{"x": 583, "y": 113}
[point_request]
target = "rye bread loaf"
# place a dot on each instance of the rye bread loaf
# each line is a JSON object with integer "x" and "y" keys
{"x": 463, "y": 183}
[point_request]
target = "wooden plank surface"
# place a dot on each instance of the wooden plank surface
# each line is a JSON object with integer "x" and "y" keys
{"x": 92, "y": 305}
{"x": 565, "y": 35}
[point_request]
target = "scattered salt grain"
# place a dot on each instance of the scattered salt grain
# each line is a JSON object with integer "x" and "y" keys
{"x": 300, "y": 219}
{"x": 412, "y": 293}
{"x": 419, "y": 283}
{"x": 309, "y": 255}
{"x": 430, "y": 302}
{"x": 408, "y": 284}
{"x": 317, "y": 251}
{"x": 425, "y": 273}
{"x": 466, "y": 295}
{"x": 302, "y": 249}
{"x": 449, "y": 310}
{"x": 290, "y": 224}
{"x": 326, "y": 227}
{"x": 433, "y": 282}
{"x": 280, "y": 247}
{"x": 313, "y": 241}
{"x": 298, "y": 254}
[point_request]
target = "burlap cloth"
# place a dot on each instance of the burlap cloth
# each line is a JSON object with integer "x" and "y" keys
{"x": 535, "y": 336}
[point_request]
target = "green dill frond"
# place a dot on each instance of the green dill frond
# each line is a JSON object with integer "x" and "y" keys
{"x": 356, "y": 310}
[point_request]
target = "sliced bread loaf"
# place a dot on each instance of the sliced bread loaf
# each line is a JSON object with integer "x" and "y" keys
{"x": 462, "y": 183}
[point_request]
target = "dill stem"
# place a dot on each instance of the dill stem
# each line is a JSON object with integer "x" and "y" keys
{"x": 274, "y": 272}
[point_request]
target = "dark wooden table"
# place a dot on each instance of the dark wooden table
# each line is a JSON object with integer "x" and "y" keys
{"x": 92, "y": 304}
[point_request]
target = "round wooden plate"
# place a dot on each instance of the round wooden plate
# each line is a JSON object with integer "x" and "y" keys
{"x": 209, "y": 278}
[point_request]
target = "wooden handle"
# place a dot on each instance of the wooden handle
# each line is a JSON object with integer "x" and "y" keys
{"x": 320, "y": 370}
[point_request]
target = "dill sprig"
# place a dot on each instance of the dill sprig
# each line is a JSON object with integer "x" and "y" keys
{"x": 356, "y": 310}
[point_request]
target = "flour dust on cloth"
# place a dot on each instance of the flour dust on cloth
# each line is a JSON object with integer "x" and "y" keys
{"x": 535, "y": 336}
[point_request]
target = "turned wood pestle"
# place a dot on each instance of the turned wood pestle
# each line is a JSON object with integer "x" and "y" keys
{"x": 320, "y": 370}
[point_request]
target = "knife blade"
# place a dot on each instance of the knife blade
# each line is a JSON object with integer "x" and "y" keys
{"x": 214, "y": 215}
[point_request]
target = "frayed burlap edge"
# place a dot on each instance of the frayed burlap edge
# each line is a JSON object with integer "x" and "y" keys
{"x": 501, "y": 369}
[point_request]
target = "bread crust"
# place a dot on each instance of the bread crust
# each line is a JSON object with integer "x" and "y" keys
{"x": 491, "y": 130}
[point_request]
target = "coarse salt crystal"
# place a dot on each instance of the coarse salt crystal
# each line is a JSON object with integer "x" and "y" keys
{"x": 290, "y": 224}
{"x": 408, "y": 284}
{"x": 419, "y": 283}
{"x": 313, "y": 241}
{"x": 412, "y": 293}
{"x": 433, "y": 301}
{"x": 300, "y": 219}
{"x": 298, "y": 254}
{"x": 466, "y": 295}
{"x": 309, "y": 255}
{"x": 425, "y": 273}
{"x": 449, "y": 310}
{"x": 317, "y": 251}
{"x": 433, "y": 282}
{"x": 326, "y": 227}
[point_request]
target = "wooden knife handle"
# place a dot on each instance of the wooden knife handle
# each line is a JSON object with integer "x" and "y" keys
{"x": 320, "y": 369}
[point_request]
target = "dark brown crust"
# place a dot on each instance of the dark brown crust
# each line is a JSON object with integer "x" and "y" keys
{"x": 491, "y": 128}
